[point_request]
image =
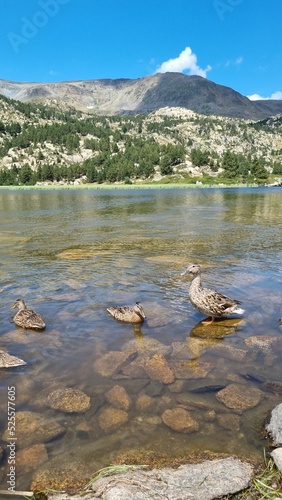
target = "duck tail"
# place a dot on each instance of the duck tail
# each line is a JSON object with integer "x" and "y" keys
{"x": 239, "y": 310}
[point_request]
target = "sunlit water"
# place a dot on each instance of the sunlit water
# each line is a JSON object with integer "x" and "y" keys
{"x": 71, "y": 254}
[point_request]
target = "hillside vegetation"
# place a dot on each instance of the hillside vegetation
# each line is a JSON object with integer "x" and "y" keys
{"x": 39, "y": 143}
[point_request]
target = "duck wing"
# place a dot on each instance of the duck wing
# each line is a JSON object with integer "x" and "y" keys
{"x": 216, "y": 302}
{"x": 30, "y": 319}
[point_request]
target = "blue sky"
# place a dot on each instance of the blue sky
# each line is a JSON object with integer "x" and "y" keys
{"x": 237, "y": 43}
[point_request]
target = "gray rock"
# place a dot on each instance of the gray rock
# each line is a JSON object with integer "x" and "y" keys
{"x": 206, "y": 481}
{"x": 274, "y": 428}
{"x": 277, "y": 457}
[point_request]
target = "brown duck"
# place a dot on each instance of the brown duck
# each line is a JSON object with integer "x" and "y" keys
{"x": 27, "y": 318}
{"x": 128, "y": 314}
{"x": 209, "y": 302}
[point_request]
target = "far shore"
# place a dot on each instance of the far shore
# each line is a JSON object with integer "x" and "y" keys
{"x": 128, "y": 186}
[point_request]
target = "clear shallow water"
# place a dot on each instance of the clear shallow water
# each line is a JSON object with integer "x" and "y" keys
{"x": 71, "y": 254}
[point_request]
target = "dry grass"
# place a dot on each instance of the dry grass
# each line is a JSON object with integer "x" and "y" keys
{"x": 266, "y": 485}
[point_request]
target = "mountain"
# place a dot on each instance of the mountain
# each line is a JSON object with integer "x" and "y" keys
{"x": 143, "y": 95}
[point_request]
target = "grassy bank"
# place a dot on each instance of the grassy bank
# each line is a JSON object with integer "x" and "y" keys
{"x": 139, "y": 185}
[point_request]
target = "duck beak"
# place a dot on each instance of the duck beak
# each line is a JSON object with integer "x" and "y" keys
{"x": 14, "y": 306}
{"x": 184, "y": 272}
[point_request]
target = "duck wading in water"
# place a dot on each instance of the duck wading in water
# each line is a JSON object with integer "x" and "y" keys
{"x": 128, "y": 314}
{"x": 27, "y": 318}
{"x": 209, "y": 302}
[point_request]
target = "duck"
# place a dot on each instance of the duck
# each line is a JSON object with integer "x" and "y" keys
{"x": 209, "y": 302}
{"x": 128, "y": 314}
{"x": 27, "y": 318}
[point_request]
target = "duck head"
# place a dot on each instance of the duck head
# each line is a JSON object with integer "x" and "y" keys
{"x": 193, "y": 269}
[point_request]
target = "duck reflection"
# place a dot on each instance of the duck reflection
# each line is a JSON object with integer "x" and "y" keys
{"x": 201, "y": 338}
{"x": 138, "y": 334}
{"x": 219, "y": 329}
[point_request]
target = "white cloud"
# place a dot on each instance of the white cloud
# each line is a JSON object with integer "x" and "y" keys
{"x": 186, "y": 61}
{"x": 256, "y": 97}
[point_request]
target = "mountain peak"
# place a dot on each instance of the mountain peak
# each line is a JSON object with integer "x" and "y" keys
{"x": 143, "y": 95}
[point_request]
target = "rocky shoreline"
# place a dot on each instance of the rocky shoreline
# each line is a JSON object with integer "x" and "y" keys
{"x": 208, "y": 480}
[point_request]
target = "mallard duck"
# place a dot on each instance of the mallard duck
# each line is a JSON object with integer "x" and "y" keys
{"x": 209, "y": 302}
{"x": 27, "y": 318}
{"x": 129, "y": 314}
{"x": 8, "y": 361}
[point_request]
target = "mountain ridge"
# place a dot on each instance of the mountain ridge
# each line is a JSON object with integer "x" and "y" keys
{"x": 143, "y": 95}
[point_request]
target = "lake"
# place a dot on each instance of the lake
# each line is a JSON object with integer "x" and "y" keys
{"x": 71, "y": 254}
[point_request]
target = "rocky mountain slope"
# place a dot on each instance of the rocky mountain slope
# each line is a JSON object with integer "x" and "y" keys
{"x": 143, "y": 95}
{"x": 39, "y": 136}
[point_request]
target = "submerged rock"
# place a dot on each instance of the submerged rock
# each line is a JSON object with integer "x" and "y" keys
{"x": 191, "y": 369}
{"x": 112, "y": 362}
{"x": 273, "y": 386}
{"x": 32, "y": 428}
{"x": 147, "y": 347}
{"x": 118, "y": 397}
{"x": 145, "y": 404}
{"x": 69, "y": 400}
{"x": 180, "y": 420}
{"x": 229, "y": 421}
{"x": 158, "y": 369}
{"x": 263, "y": 343}
{"x": 30, "y": 458}
{"x": 111, "y": 419}
{"x": 239, "y": 398}
{"x": 230, "y": 352}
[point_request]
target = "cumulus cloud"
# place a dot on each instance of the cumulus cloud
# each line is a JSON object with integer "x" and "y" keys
{"x": 186, "y": 61}
{"x": 256, "y": 97}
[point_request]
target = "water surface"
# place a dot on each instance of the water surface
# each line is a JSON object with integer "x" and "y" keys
{"x": 71, "y": 254}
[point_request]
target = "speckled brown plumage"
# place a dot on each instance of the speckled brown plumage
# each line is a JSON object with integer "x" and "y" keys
{"x": 27, "y": 318}
{"x": 209, "y": 302}
{"x": 128, "y": 314}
